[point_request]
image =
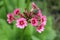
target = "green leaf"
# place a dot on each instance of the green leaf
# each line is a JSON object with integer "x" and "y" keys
{"x": 1, "y": 4}
{"x": 5, "y": 30}
{"x": 3, "y": 35}
{"x": 35, "y": 38}
{"x": 29, "y": 29}
{"x": 17, "y": 32}
{"x": 9, "y": 6}
{"x": 21, "y": 5}
{"x": 28, "y": 32}
{"x": 2, "y": 16}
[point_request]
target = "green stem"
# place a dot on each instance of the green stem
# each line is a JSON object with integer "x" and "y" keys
{"x": 22, "y": 36}
{"x": 27, "y": 6}
{"x": 17, "y": 3}
{"x": 45, "y": 7}
{"x": 5, "y": 6}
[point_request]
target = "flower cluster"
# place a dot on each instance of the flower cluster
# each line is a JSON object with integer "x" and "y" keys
{"x": 35, "y": 18}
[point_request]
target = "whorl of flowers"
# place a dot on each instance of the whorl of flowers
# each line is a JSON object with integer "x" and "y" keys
{"x": 35, "y": 18}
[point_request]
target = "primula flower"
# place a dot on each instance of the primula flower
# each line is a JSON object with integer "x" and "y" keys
{"x": 34, "y": 22}
{"x": 43, "y": 20}
{"x": 16, "y": 11}
{"x": 21, "y": 23}
{"x": 34, "y": 5}
{"x": 10, "y": 18}
{"x": 40, "y": 28}
{"x": 43, "y": 23}
{"x": 39, "y": 13}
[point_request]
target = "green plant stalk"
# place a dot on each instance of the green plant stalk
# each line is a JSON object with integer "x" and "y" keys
{"x": 22, "y": 37}
{"x": 5, "y": 6}
{"x": 17, "y": 3}
{"x": 27, "y": 6}
{"x": 45, "y": 7}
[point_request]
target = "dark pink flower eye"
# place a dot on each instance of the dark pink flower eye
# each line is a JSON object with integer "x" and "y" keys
{"x": 39, "y": 27}
{"x": 11, "y": 18}
{"x": 34, "y": 22}
{"x": 43, "y": 20}
{"x": 21, "y": 22}
{"x": 16, "y": 11}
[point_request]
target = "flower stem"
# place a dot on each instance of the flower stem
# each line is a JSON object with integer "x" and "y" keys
{"x": 22, "y": 37}
{"x": 27, "y": 6}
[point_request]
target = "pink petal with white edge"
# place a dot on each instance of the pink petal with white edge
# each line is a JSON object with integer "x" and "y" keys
{"x": 9, "y": 21}
{"x": 44, "y": 17}
{"x": 19, "y": 26}
{"x": 44, "y": 20}
{"x": 9, "y": 14}
{"x": 40, "y": 28}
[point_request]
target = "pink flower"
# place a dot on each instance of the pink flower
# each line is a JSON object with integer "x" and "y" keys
{"x": 40, "y": 28}
{"x": 43, "y": 20}
{"x": 36, "y": 16}
{"x": 16, "y": 11}
{"x": 34, "y": 22}
{"x": 10, "y": 18}
{"x": 34, "y": 5}
{"x": 39, "y": 13}
{"x": 21, "y": 23}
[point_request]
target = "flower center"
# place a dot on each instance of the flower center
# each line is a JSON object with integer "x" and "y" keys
{"x": 42, "y": 20}
{"x": 10, "y": 18}
{"x": 39, "y": 27}
{"x": 17, "y": 11}
{"x": 33, "y": 21}
{"x": 21, "y": 22}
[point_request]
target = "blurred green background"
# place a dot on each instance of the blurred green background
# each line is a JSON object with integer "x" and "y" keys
{"x": 50, "y": 8}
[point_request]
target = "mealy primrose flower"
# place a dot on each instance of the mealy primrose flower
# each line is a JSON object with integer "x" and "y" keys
{"x": 34, "y": 5}
{"x": 39, "y": 13}
{"x": 43, "y": 20}
{"x": 16, "y": 11}
{"x": 34, "y": 22}
{"x": 40, "y": 28}
{"x": 10, "y": 18}
{"x": 21, "y": 23}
